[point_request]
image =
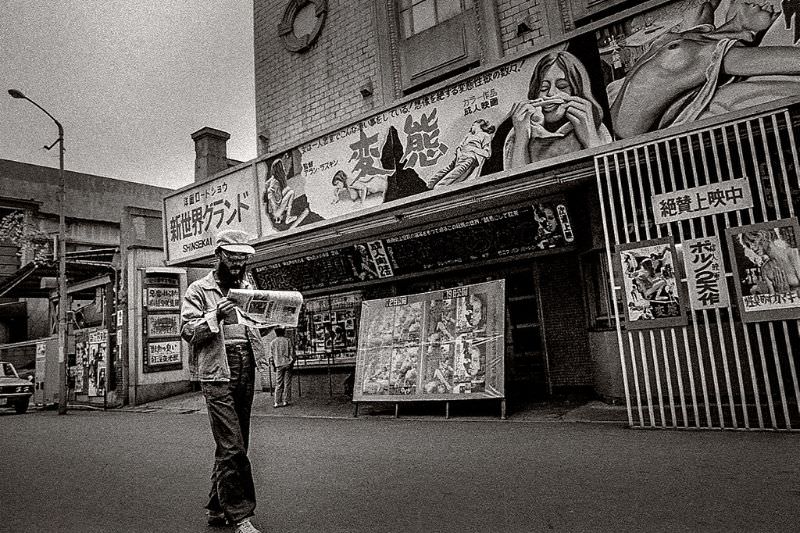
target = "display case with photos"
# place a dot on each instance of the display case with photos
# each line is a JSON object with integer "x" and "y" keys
{"x": 327, "y": 330}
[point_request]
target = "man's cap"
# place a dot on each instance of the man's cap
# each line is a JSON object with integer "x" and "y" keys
{"x": 234, "y": 241}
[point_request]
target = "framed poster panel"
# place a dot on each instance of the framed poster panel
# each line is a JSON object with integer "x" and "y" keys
{"x": 651, "y": 284}
{"x": 440, "y": 345}
{"x": 164, "y": 325}
{"x": 766, "y": 269}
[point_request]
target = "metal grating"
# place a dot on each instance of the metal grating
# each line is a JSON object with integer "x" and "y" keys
{"x": 716, "y": 372}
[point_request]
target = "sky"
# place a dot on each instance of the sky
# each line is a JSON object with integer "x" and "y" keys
{"x": 129, "y": 80}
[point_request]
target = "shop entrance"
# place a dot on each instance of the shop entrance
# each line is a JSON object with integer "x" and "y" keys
{"x": 526, "y": 368}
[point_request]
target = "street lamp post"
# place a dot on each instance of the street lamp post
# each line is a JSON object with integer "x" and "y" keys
{"x": 62, "y": 260}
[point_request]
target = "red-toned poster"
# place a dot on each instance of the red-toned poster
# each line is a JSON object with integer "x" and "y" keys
{"x": 440, "y": 345}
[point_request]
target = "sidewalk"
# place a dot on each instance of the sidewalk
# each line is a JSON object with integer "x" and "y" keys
{"x": 342, "y": 407}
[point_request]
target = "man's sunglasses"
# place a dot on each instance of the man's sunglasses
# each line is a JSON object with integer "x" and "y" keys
{"x": 232, "y": 256}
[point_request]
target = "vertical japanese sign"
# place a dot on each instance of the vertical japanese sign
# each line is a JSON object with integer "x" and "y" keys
{"x": 439, "y": 345}
{"x": 705, "y": 273}
{"x": 766, "y": 269}
{"x": 194, "y": 216}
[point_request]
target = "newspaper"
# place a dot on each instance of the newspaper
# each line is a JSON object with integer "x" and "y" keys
{"x": 267, "y": 308}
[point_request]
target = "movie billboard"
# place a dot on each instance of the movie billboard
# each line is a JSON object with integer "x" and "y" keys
{"x": 669, "y": 66}
{"x": 766, "y": 269}
{"x": 651, "y": 285}
{"x": 440, "y": 345}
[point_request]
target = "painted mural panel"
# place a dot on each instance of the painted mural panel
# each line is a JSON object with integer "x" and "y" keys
{"x": 438, "y": 345}
{"x": 696, "y": 59}
{"x": 675, "y": 64}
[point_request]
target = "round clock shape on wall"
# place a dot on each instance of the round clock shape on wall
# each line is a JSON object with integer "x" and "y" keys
{"x": 302, "y": 23}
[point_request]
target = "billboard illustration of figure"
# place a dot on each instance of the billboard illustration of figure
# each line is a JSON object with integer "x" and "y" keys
{"x": 559, "y": 116}
{"x": 707, "y": 60}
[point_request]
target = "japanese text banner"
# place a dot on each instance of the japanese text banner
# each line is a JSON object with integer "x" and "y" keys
{"x": 194, "y": 216}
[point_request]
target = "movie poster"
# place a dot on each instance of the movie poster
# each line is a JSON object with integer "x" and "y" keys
{"x": 766, "y": 268}
{"x": 651, "y": 284}
{"x": 445, "y": 344}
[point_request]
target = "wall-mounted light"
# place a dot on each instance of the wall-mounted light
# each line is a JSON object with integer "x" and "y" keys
{"x": 525, "y": 25}
{"x": 366, "y": 88}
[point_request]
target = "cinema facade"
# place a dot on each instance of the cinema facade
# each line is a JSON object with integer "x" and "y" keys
{"x": 646, "y": 234}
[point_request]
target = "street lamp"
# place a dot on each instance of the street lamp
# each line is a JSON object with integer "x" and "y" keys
{"x": 62, "y": 259}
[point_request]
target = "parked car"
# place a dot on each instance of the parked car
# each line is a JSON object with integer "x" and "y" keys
{"x": 14, "y": 391}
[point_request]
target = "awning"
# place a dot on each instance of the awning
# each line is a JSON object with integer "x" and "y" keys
{"x": 81, "y": 266}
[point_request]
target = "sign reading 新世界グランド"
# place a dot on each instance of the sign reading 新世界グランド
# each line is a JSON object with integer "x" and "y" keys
{"x": 702, "y": 201}
{"x": 195, "y": 216}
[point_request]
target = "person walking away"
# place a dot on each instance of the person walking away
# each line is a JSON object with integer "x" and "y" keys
{"x": 221, "y": 357}
{"x": 281, "y": 357}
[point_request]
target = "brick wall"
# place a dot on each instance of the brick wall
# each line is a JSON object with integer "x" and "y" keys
{"x": 299, "y": 95}
{"x": 565, "y": 325}
{"x": 510, "y": 13}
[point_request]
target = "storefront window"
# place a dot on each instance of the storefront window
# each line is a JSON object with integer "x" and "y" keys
{"x": 327, "y": 331}
{"x": 599, "y": 297}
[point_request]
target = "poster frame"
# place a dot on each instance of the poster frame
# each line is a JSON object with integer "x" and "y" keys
{"x": 767, "y": 314}
{"x": 683, "y": 297}
{"x": 497, "y": 337}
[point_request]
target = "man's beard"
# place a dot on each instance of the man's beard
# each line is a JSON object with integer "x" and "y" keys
{"x": 228, "y": 278}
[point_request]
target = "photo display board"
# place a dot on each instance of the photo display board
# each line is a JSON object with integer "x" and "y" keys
{"x": 440, "y": 345}
{"x": 326, "y": 330}
{"x": 161, "y": 323}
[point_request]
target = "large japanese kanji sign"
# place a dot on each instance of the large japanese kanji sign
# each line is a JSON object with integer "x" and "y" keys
{"x": 702, "y": 201}
{"x": 194, "y": 216}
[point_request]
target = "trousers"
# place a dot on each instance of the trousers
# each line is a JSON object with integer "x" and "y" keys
{"x": 283, "y": 388}
{"x": 229, "y": 404}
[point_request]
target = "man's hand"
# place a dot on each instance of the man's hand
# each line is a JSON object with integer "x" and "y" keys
{"x": 226, "y": 309}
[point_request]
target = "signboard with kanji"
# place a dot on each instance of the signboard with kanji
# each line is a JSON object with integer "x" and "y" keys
{"x": 702, "y": 201}
{"x": 705, "y": 273}
{"x": 766, "y": 269}
{"x": 157, "y": 298}
{"x": 194, "y": 216}
{"x": 163, "y": 353}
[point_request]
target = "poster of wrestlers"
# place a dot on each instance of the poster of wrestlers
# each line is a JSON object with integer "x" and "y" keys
{"x": 439, "y": 345}
{"x": 766, "y": 267}
{"x": 651, "y": 284}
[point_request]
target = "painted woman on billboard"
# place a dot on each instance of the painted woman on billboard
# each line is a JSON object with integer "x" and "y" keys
{"x": 559, "y": 116}
{"x": 697, "y": 72}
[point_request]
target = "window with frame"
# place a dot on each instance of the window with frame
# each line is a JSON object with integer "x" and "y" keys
{"x": 599, "y": 294}
{"x": 436, "y": 39}
{"x": 419, "y": 15}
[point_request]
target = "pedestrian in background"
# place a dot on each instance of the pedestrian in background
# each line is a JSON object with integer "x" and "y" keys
{"x": 281, "y": 357}
{"x": 221, "y": 357}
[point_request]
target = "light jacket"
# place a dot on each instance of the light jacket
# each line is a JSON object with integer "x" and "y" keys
{"x": 200, "y": 327}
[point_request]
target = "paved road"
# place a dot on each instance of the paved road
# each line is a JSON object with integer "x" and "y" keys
{"x": 140, "y": 472}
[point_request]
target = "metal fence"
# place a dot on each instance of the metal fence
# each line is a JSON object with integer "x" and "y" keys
{"x": 716, "y": 371}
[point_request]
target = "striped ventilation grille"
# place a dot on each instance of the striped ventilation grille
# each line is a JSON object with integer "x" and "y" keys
{"x": 716, "y": 372}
